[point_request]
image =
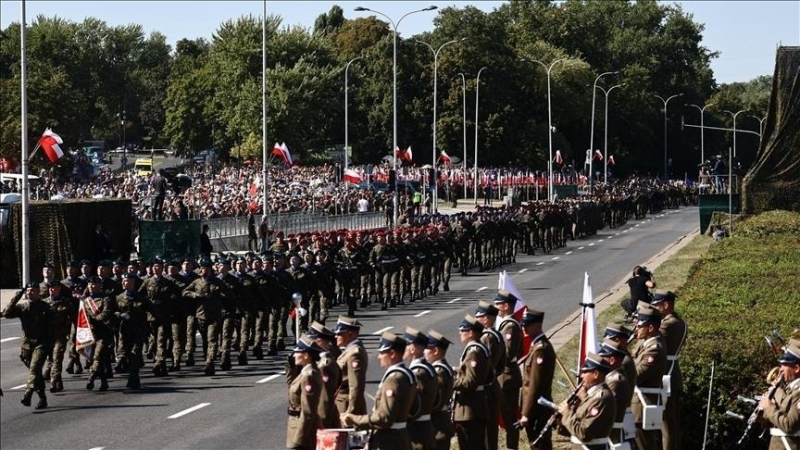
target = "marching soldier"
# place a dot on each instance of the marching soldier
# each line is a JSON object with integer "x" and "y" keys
{"x": 100, "y": 310}
{"x": 613, "y": 354}
{"x": 353, "y": 365}
{"x": 471, "y": 377}
{"x": 208, "y": 293}
{"x": 247, "y": 309}
{"x": 509, "y": 377}
{"x": 305, "y": 388}
{"x": 231, "y": 310}
{"x": 420, "y": 430}
{"x": 331, "y": 374}
{"x": 441, "y": 418}
{"x": 588, "y": 422}
{"x": 783, "y": 410}
{"x": 182, "y": 312}
{"x": 75, "y": 285}
{"x": 163, "y": 294}
{"x": 65, "y": 311}
{"x": 651, "y": 365}
{"x": 37, "y": 322}
{"x": 673, "y": 330}
{"x": 190, "y": 308}
{"x": 486, "y": 313}
{"x": 393, "y": 401}
{"x": 538, "y": 369}
{"x": 133, "y": 308}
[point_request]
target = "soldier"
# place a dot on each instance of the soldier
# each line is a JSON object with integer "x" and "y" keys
{"x": 282, "y": 304}
{"x": 247, "y": 309}
{"x": 420, "y": 430}
{"x": 486, "y": 313}
{"x": 472, "y": 375}
{"x": 380, "y": 258}
{"x": 441, "y": 419}
{"x": 37, "y": 322}
{"x": 133, "y": 309}
{"x": 538, "y": 369}
{"x": 163, "y": 294}
{"x": 263, "y": 283}
{"x": 326, "y": 274}
{"x": 588, "y": 421}
{"x": 182, "y": 310}
{"x": 651, "y": 365}
{"x": 306, "y": 284}
{"x": 231, "y": 310}
{"x": 621, "y": 335}
{"x": 783, "y": 410}
{"x": 393, "y": 401}
{"x": 613, "y": 354}
{"x": 190, "y": 308}
{"x": 75, "y": 285}
{"x": 65, "y": 311}
{"x": 353, "y": 365}
{"x": 305, "y": 388}
{"x": 509, "y": 376}
{"x": 331, "y": 374}
{"x": 208, "y": 293}
{"x": 100, "y": 310}
{"x": 673, "y": 329}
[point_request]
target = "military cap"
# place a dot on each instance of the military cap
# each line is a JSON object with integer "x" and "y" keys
{"x": 256, "y": 258}
{"x": 225, "y": 261}
{"x": 317, "y": 329}
{"x": 306, "y": 345}
{"x": 133, "y": 262}
{"x": 127, "y": 275}
{"x": 595, "y": 362}
{"x": 790, "y": 356}
{"x": 188, "y": 259}
{"x": 344, "y": 323}
{"x": 504, "y": 296}
{"x": 53, "y": 283}
{"x": 646, "y": 313}
{"x": 32, "y": 284}
{"x": 414, "y": 336}
{"x": 174, "y": 263}
{"x": 95, "y": 279}
{"x": 104, "y": 263}
{"x": 120, "y": 262}
{"x": 48, "y": 265}
{"x": 486, "y": 309}
{"x": 73, "y": 264}
{"x": 86, "y": 262}
{"x": 610, "y": 347}
{"x": 157, "y": 260}
{"x": 469, "y": 323}
{"x": 436, "y": 339}
{"x": 616, "y": 331}
{"x": 279, "y": 255}
{"x": 206, "y": 262}
{"x": 532, "y": 316}
{"x": 668, "y": 296}
{"x": 390, "y": 341}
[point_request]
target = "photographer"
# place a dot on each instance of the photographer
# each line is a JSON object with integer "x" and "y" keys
{"x": 640, "y": 284}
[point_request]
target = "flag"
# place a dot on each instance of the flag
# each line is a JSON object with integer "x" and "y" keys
{"x": 504, "y": 282}
{"x": 282, "y": 152}
{"x": 408, "y": 155}
{"x": 588, "y": 336}
{"x": 559, "y": 159}
{"x": 83, "y": 334}
{"x": 598, "y": 155}
{"x": 50, "y": 143}
{"x": 611, "y": 160}
{"x": 352, "y": 176}
{"x": 444, "y": 157}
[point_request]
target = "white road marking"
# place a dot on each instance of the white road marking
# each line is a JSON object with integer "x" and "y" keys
{"x": 581, "y": 248}
{"x": 423, "y": 313}
{"x": 16, "y": 388}
{"x": 381, "y": 331}
{"x": 625, "y": 231}
{"x": 609, "y": 237}
{"x": 540, "y": 264}
{"x": 454, "y": 300}
{"x": 188, "y": 411}
{"x": 661, "y": 215}
{"x": 482, "y": 289}
{"x": 569, "y": 252}
{"x": 599, "y": 242}
{"x": 616, "y": 234}
{"x": 523, "y": 270}
{"x": 9, "y": 339}
{"x": 97, "y": 448}
{"x": 556, "y": 257}
{"x": 637, "y": 224}
{"x": 269, "y": 378}
{"x": 370, "y": 396}
{"x": 591, "y": 244}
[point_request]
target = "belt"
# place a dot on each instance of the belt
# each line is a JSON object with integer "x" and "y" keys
{"x": 672, "y": 357}
{"x": 777, "y": 432}
{"x": 645, "y": 390}
{"x": 617, "y": 425}
{"x": 293, "y": 413}
{"x": 598, "y": 441}
{"x": 399, "y": 426}
{"x": 422, "y": 418}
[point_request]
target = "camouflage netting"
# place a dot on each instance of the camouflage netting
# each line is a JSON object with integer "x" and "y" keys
{"x": 61, "y": 232}
{"x": 773, "y": 181}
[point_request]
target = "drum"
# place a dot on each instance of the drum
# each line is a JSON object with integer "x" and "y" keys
{"x": 332, "y": 439}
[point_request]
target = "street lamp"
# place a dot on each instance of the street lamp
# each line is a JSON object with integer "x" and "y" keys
{"x": 605, "y": 144}
{"x": 666, "y": 102}
{"x": 434, "y": 187}
{"x": 396, "y": 199}
{"x": 346, "y": 136}
{"x": 702, "y": 130}
{"x": 121, "y": 117}
{"x": 591, "y": 133}
{"x": 464, "y": 115}
{"x": 475, "y": 175}
{"x": 734, "y": 128}
{"x": 760, "y": 129}
{"x": 549, "y": 124}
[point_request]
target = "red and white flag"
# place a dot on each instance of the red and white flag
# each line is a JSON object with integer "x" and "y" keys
{"x": 598, "y": 155}
{"x": 352, "y": 176}
{"x": 559, "y": 159}
{"x": 588, "y": 337}
{"x": 611, "y": 160}
{"x": 444, "y": 157}
{"x": 408, "y": 156}
{"x": 83, "y": 334}
{"x": 504, "y": 282}
{"x": 282, "y": 152}
{"x": 50, "y": 143}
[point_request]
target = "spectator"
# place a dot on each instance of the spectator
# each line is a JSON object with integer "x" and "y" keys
{"x": 205, "y": 242}
{"x": 363, "y": 205}
{"x": 159, "y": 186}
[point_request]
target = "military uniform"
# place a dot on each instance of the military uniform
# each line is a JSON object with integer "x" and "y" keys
{"x": 305, "y": 388}
{"x": 441, "y": 419}
{"x": 420, "y": 430}
{"x": 783, "y": 413}
{"x": 163, "y": 294}
{"x": 100, "y": 311}
{"x": 509, "y": 377}
{"x": 623, "y": 429}
{"x": 673, "y": 330}
{"x": 589, "y": 423}
{"x": 538, "y": 370}
{"x": 651, "y": 364}
{"x": 65, "y": 312}
{"x": 353, "y": 365}
{"x": 132, "y": 310}
{"x": 208, "y": 294}
{"x": 493, "y": 341}
{"x": 471, "y": 377}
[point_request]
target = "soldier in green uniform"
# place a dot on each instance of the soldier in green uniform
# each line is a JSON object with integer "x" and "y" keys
{"x": 538, "y": 369}
{"x": 100, "y": 310}
{"x": 305, "y": 388}
{"x": 380, "y": 260}
{"x": 420, "y": 430}
{"x": 472, "y": 375}
{"x": 65, "y": 311}
{"x": 509, "y": 376}
{"x": 133, "y": 308}
{"x": 393, "y": 401}
{"x": 331, "y": 374}
{"x": 231, "y": 310}
{"x": 264, "y": 282}
{"x": 651, "y": 364}
{"x": 613, "y": 354}
{"x": 247, "y": 309}
{"x": 353, "y": 365}
{"x": 163, "y": 294}
{"x": 782, "y": 412}
{"x": 37, "y": 322}
{"x": 208, "y": 293}
{"x": 673, "y": 329}
{"x": 441, "y": 419}
{"x": 326, "y": 275}
{"x": 282, "y": 303}
{"x": 182, "y": 311}
{"x": 75, "y": 286}
{"x": 190, "y": 309}
{"x": 486, "y": 313}
{"x": 350, "y": 263}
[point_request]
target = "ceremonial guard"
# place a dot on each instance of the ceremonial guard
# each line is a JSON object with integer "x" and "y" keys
{"x": 538, "y": 370}
{"x": 100, "y": 311}
{"x": 472, "y": 375}
{"x": 353, "y": 365}
{"x": 621, "y": 335}
{"x": 441, "y": 418}
{"x": 486, "y": 313}
{"x": 509, "y": 376}
{"x": 624, "y": 430}
{"x": 783, "y": 410}
{"x": 651, "y": 365}
{"x": 305, "y": 388}
{"x": 420, "y": 430}
{"x": 674, "y": 331}
{"x": 331, "y": 374}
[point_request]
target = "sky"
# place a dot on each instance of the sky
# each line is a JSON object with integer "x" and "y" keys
{"x": 745, "y": 33}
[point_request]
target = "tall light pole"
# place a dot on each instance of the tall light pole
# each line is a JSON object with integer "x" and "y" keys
{"x": 702, "y": 130}
{"x": 264, "y": 154}
{"x": 666, "y": 102}
{"x": 475, "y": 175}
{"x": 605, "y": 140}
{"x": 434, "y": 187}
{"x": 464, "y": 116}
{"x": 549, "y": 124}
{"x": 760, "y": 129}
{"x": 734, "y": 128}
{"x": 121, "y": 117}
{"x": 346, "y": 136}
{"x": 591, "y": 133}
{"x": 395, "y": 197}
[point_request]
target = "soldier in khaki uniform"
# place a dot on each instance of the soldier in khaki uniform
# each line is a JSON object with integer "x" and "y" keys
{"x": 510, "y": 377}
{"x": 305, "y": 388}
{"x": 472, "y": 375}
{"x": 420, "y": 430}
{"x": 393, "y": 401}
{"x": 783, "y": 411}
{"x": 353, "y": 365}
{"x": 441, "y": 418}
{"x": 100, "y": 311}
{"x": 613, "y": 355}
{"x": 651, "y": 364}
{"x": 674, "y": 331}
{"x": 208, "y": 293}
{"x": 132, "y": 311}
{"x": 620, "y": 334}
{"x": 163, "y": 294}
{"x": 486, "y": 313}
{"x": 65, "y": 311}
{"x": 331, "y": 374}
{"x": 588, "y": 421}
{"x": 538, "y": 369}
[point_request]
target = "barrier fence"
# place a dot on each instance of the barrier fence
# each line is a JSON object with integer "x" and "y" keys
{"x": 298, "y": 222}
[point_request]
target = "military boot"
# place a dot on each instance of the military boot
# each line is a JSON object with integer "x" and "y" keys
{"x": 133, "y": 381}
{"x": 176, "y": 365}
{"x": 281, "y": 345}
{"x": 42, "y": 404}
{"x": 79, "y": 368}
{"x": 209, "y": 369}
{"x": 258, "y": 352}
{"x": 120, "y": 367}
{"x": 26, "y": 397}
{"x": 56, "y": 385}
{"x": 190, "y": 360}
{"x": 272, "y": 351}
{"x": 226, "y": 364}
{"x": 103, "y": 384}
{"x": 71, "y": 366}
{"x": 392, "y": 302}
{"x": 242, "y": 360}
{"x": 90, "y": 383}
{"x": 446, "y": 287}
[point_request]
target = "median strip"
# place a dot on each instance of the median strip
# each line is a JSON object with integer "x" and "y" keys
{"x": 188, "y": 411}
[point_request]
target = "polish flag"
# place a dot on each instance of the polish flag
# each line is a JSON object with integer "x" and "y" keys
{"x": 588, "y": 337}
{"x": 504, "y": 282}
{"x": 50, "y": 143}
{"x": 352, "y": 176}
{"x": 598, "y": 155}
{"x": 83, "y": 335}
{"x": 559, "y": 159}
{"x": 611, "y": 160}
{"x": 408, "y": 155}
{"x": 444, "y": 157}
{"x": 282, "y": 152}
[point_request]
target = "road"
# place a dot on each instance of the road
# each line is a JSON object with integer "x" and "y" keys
{"x": 245, "y": 408}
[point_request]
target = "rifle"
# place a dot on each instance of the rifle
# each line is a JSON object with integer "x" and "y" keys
{"x": 759, "y": 410}
{"x": 556, "y": 415}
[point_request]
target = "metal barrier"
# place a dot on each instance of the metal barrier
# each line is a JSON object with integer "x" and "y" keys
{"x": 298, "y": 222}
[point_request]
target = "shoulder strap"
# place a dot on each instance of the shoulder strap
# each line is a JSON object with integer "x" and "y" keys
{"x": 404, "y": 370}
{"x": 444, "y": 366}
{"x": 428, "y": 368}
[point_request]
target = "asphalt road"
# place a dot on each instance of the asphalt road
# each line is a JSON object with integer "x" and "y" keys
{"x": 245, "y": 408}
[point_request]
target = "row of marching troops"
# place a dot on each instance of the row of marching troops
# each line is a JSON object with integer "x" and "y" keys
{"x": 423, "y": 401}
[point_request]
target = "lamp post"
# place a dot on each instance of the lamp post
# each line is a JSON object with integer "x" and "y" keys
{"x": 734, "y": 128}
{"x": 549, "y": 124}
{"x": 475, "y": 175}
{"x": 760, "y": 129}
{"x": 121, "y": 117}
{"x": 464, "y": 115}
{"x": 395, "y": 197}
{"x": 346, "y": 136}
{"x": 702, "y": 130}
{"x": 434, "y": 187}
{"x": 591, "y": 133}
{"x": 666, "y": 102}
{"x": 264, "y": 154}
{"x": 605, "y": 139}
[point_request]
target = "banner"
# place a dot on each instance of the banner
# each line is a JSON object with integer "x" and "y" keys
{"x": 83, "y": 335}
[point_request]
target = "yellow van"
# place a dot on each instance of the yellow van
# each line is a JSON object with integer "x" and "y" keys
{"x": 143, "y": 167}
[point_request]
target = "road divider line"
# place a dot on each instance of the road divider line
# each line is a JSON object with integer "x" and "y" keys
{"x": 97, "y": 448}
{"x": 423, "y": 313}
{"x": 556, "y": 257}
{"x": 523, "y": 270}
{"x": 540, "y": 263}
{"x": 370, "y": 396}
{"x": 188, "y": 411}
{"x": 9, "y": 339}
{"x": 454, "y": 300}
{"x": 591, "y": 244}
{"x": 581, "y": 248}
{"x": 269, "y": 378}
{"x": 483, "y": 288}
{"x": 569, "y": 252}
{"x": 609, "y": 237}
{"x": 381, "y": 331}
{"x": 16, "y": 388}
{"x": 616, "y": 234}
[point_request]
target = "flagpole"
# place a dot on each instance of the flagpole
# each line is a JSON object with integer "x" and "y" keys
{"x": 26, "y": 256}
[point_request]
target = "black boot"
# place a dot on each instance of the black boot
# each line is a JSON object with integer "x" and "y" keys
{"x": 176, "y": 365}
{"x": 42, "y": 404}
{"x": 446, "y": 287}
{"x": 258, "y": 353}
{"x": 103, "y": 384}
{"x": 26, "y": 397}
{"x": 242, "y": 361}
{"x": 46, "y": 373}
{"x": 190, "y": 360}
{"x": 90, "y": 383}
{"x": 56, "y": 386}
{"x": 209, "y": 370}
{"x": 281, "y": 345}
{"x": 226, "y": 364}
{"x": 79, "y": 368}
{"x": 133, "y": 381}
{"x": 71, "y": 367}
